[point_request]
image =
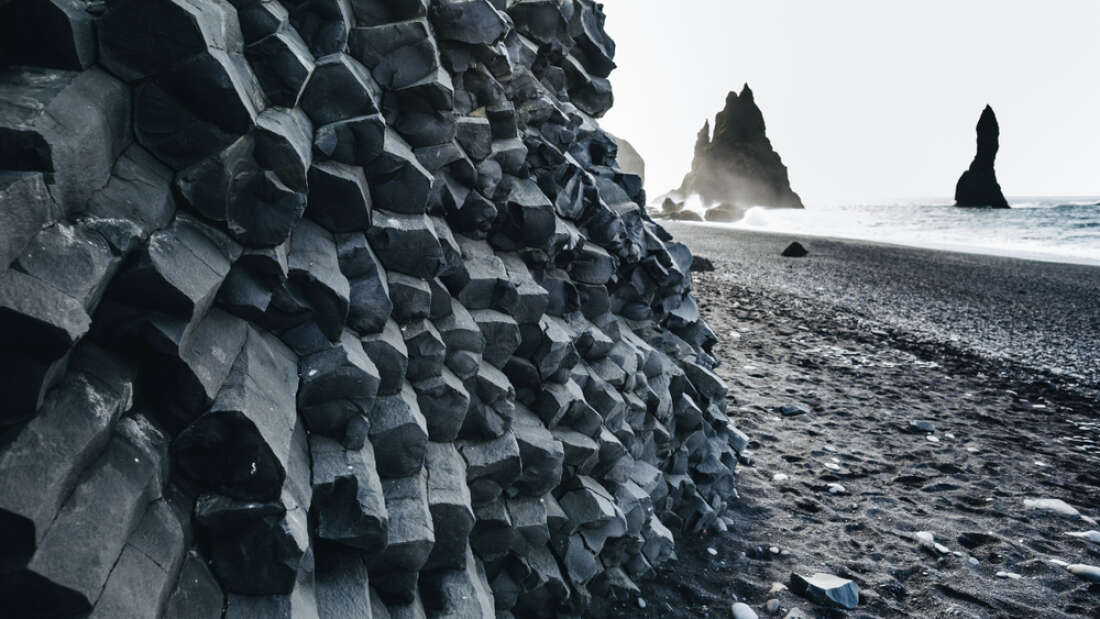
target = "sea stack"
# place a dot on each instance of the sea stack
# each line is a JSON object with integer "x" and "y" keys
{"x": 978, "y": 185}
{"x": 737, "y": 165}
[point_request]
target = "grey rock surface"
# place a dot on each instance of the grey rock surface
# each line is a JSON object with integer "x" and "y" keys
{"x": 334, "y": 308}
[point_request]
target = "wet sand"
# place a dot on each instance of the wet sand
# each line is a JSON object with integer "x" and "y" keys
{"x": 998, "y": 355}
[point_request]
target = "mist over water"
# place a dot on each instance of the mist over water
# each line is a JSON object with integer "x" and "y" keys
{"x": 1055, "y": 229}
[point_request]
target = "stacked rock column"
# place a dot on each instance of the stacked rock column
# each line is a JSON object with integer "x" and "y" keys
{"x": 336, "y": 308}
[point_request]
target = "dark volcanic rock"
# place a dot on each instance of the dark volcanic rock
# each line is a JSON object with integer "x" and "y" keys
{"x": 738, "y": 166}
{"x": 318, "y": 308}
{"x": 795, "y": 250}
{"x": 978, "y": 185}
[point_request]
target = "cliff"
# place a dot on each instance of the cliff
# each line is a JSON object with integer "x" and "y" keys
{"x": 737, "y": 166}
{"x": 336, "y": 309}
{"x": 978, "y": 185}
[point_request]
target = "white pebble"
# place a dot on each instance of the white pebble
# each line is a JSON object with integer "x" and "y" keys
{"x": 641, "y": 602}
{"x": 1012, "y": 575}
{"x": 780, "y": 478}
{"x": 712, "y": 552}
{"x": 832, "y": 466}
{"x": 1090, "y": 573}
{"x": 932, "y": 439}
{"x": 1057, "y": 507}
{"x": 837, "y": 489}
{"x": 1090, "y": 536}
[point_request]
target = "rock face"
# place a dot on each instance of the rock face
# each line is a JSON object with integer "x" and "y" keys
{"x": 737, "y": 166}
{"x": 629, "y": 159}
{"x": 336, "y": 309}
{"x": 978, "y": 185}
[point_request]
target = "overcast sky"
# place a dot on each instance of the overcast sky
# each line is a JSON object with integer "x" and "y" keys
{"x": 868, "y": 100}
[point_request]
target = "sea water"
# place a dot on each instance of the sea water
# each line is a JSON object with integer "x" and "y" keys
{"x": 1055, "y": 229}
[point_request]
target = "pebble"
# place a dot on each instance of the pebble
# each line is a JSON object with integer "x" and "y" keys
{"x": 973, "y": 561}
{"x": 774, "y": 550}
{"x": 1058, "y": 507}
{"x": 741, "y": 610}
{"x": 1090, "y": 573}
{"x": 1090, "y": 536}
{"x": 776, "y": 588}
{"x": 772, "y": 606}
{"x": 712, "y": 552}
{"x": 780, "y": 478}
{"x": 641, "y": 602}
{"x": 827, "y": 590}
{"x": 832, "y": 466}
{"x": 922, "y": 425}
{"x": 837, "y": 489}
{"x": 1012, "y": 575}
{"x": 927, "y": 540}
{"x": 794, "y": 409}
{"x": 796, "y": 613}
{"x": 932, "y": 439}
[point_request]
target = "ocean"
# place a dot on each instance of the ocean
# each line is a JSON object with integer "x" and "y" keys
{"x": 1055, "y": 229}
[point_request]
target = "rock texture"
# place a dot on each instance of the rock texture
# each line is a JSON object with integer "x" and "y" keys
{"x": 737, "y": 166}
{"x": 630, "y": 160}
{"x": 978, "y": 185}
{"x": 336, "y": 308}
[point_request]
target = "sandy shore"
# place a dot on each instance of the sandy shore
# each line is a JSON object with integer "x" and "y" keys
{"x": 998, "y": 356}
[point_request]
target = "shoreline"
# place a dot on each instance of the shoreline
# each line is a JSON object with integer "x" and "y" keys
{"x": 1040, "y": 316}
{"x": 976, "y": 250}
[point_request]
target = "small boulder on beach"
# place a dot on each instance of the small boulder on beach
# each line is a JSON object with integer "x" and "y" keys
{"x": 826, "y": 590}
{"x": 699, "y": 264}
{"x": 741, "y": 610}
{"x": 795, "y": 250}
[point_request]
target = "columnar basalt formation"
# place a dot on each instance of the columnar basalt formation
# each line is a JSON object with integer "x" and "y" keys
{"x": 978, "y": 186}
{"x": 336, "y": 308}
{"x": 737, "y": 166}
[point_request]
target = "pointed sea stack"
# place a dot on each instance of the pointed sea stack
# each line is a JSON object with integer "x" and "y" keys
{"x": 738, "y": 166}
{"x": 978, "y": 185}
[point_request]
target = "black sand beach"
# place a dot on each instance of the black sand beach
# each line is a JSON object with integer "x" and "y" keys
{"x": 1001, "y": 358}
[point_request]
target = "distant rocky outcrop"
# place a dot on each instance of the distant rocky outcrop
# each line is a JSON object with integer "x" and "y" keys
{"x": 630, "y": 161}
{"x": 737, "y": 166}
{"x": 978, "y": 185}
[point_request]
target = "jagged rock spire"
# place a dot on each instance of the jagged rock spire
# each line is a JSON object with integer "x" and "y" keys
{"x": 978, "y": 186}
{"x": 737, "y": 164}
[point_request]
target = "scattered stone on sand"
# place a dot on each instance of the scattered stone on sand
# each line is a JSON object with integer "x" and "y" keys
{"x": 1057, "y": 507}
{"x": 741, "y": 610}
{"x": 796, "y": 613}
{"x": 794, "y": 409}
{"x": 641, "y": 603}
{"x": 795, "y": 250}
{"x": 1089, "y": 536}
{"x": 1090, "y": 573}
{"x": 832, "y": 466}
{"x": 1009, "y": 575}
{"x": 927, "y": 541}
{"x": 777, "y": 588}
{"x": 932, "y": 439}
{"x": 699, "y": 264}
{"x": 712, "y": 552}
{"x": 826, "y": 590}
{"x": 922, "y": 425}
{"x": 772, "y": 606}
{"x": 780, "y": 478}
{"x": 835, "y": 488}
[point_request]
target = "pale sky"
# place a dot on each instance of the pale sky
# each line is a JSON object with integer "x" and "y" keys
{"x": 868, "y": 100}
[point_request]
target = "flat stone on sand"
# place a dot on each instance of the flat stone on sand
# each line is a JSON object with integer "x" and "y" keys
{"x": 827, "y": 590}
